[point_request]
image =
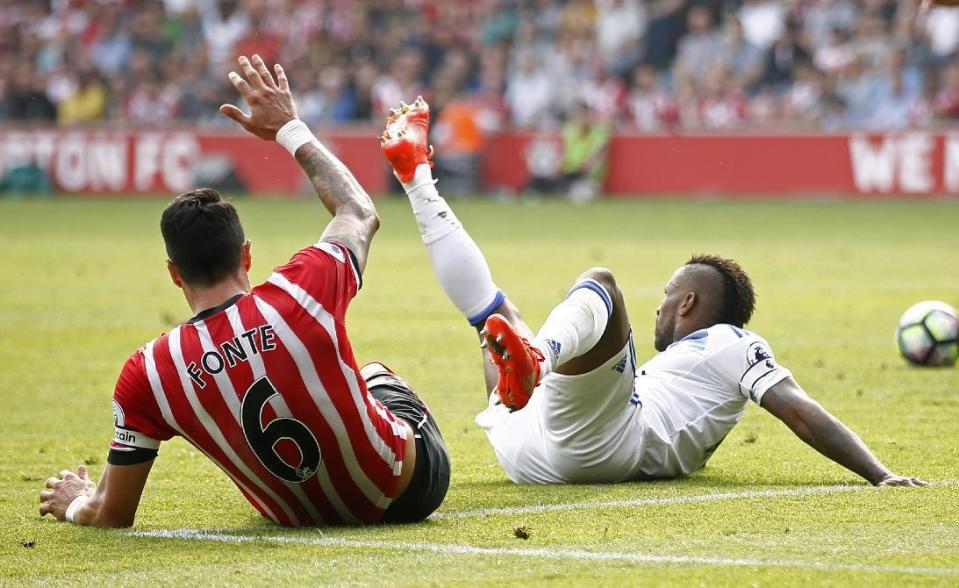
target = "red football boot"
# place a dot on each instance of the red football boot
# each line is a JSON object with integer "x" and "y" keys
{"x": 405, "y": 140}
{"x": 518, "y": 362}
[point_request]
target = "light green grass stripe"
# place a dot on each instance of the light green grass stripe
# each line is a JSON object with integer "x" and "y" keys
{"x": 562, "y": 554}
{"x": 634, "y": 502}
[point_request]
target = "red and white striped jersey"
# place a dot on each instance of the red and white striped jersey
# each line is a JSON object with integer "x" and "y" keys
{"x": 266, "y": 386}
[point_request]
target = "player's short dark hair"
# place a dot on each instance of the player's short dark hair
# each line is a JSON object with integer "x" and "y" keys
{"x": 203, "y": 236}
{"x": 739, "y": 298}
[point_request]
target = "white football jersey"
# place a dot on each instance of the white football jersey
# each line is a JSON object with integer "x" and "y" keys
{"x": 695, "y": 392}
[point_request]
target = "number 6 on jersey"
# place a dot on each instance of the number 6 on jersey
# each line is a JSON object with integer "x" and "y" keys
{"x": 263, "y": 440}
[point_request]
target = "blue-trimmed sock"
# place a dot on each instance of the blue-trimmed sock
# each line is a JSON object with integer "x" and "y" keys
{"x": 575, "y": 326}
{"x": 456, "y": 259}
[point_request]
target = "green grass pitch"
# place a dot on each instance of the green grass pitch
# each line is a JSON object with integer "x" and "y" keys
{"x": 83, "y": 284}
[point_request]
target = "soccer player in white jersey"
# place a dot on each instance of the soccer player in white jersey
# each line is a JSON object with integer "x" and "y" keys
{"x": 571, "y": 404}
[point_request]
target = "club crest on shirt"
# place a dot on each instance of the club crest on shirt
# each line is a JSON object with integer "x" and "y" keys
{"x": 119, "y": 419}
{"x": 756, "y": 353}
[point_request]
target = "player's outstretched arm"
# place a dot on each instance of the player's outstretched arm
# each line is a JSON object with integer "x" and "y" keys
{"x": 112, "y": 503}
{"x": 272, "y": 117}
{"x": 827, "y": 434}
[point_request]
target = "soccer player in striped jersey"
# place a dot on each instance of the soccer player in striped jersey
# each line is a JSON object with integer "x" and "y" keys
{"x": 262, "y": 380}
{"x": 570, "y": 404}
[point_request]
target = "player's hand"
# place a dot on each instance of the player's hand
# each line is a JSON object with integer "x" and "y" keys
{"x": 894, "y": 480}
{"x": 63, "y": 489}
{"x": 270, "y": 100}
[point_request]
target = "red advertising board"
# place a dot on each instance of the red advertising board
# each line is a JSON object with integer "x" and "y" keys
{"x": 129, "y": 161}
{"x": 907, "y": 163}
{"x": 169, "y": 161}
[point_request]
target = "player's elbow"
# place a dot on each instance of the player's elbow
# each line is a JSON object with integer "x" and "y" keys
{"x": 114, "y": 517}
{"x": 373, "y": 220}
{"x": 800, "y": 413}
{"x": 364, "y": 214}
{"x": 113, "y": 522}
{"x": 811, "y": 420}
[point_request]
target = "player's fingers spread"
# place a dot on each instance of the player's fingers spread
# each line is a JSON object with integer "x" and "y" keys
{"x": 241, "y": 86}
{"x": 45, "y": 495}
{"x": 281, "y": 77}
{"x": 52, "y": 482}
{"x": 44, "y": 509}
{"x": 251, "y": 75}
{"x": 264, "y": 71}
{"x": 234, "y": 113}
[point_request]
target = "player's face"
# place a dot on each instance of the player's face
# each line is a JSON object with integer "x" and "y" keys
{"x": 666, "y": 314}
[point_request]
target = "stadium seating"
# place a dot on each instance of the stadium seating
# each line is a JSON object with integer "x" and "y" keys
{"x": 647, "y": 64}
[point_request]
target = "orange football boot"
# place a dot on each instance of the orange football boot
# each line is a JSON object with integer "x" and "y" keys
{"x": 405, "y": 140}
{"x": 518, "y": 361}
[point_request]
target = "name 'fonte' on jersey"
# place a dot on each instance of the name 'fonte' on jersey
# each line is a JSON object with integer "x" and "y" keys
{"x": 230, "y": 353}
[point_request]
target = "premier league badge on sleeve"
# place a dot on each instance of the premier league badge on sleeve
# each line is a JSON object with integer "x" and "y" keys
{"x": 756, "y": 353}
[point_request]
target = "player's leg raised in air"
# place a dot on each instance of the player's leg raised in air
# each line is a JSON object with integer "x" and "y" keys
{"x": 561, "y": 412}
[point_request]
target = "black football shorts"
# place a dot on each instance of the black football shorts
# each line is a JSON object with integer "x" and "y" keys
{"x": 431, "y": 476}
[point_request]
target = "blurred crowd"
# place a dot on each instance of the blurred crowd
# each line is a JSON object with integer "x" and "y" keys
{"x": 487, "y": 65}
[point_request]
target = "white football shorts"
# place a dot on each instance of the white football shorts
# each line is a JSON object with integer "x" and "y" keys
{"x": 581, "y": 429}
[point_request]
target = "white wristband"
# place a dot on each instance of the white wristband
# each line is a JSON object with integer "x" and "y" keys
{"x": 294, "y": 135}
{"x": 76, "y": 505}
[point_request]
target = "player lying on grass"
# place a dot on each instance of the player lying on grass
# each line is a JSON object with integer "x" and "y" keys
{"x": 571, "y": 405}
{"x": 263, "y": 380}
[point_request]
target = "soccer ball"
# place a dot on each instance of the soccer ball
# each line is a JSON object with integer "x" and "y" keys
{"x": 927, "y": 334}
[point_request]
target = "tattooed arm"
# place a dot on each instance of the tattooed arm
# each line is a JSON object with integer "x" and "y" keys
{"x": 271, "y": 107}
{"x": 354, "y": 217}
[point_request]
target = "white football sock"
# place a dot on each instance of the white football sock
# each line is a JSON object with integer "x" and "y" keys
{"x": 457, "y": 261}
{"x": 575, "y": 326}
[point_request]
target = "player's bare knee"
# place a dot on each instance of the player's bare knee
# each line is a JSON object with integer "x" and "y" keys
{"x": 604, "y": 277}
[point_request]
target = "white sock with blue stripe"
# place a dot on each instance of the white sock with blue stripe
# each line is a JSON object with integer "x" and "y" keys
{"x": 575, "y": 326}
{"x": 457, "y": 261}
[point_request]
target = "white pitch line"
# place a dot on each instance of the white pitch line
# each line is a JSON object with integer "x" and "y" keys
{"x": 561, "y": 554}
{"x": 635, "y": 502}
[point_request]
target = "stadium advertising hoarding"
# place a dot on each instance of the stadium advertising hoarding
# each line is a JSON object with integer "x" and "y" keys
{"x": 128, "y": 161}
{"x": 131, "y": 161}
{"x": 790, "y": 165}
